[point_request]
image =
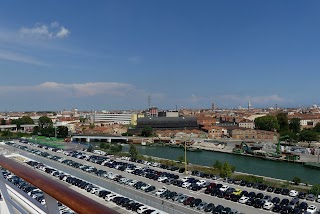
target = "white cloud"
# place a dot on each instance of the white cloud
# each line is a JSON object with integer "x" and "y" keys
{"x": 15, "y": 57}
{"x": 43, "y": 31}
{"x": 135, "y": 59}
{"x": 75, "y": 89}
{"x": 63, "y": 33}
{"x": 54, "y": 95}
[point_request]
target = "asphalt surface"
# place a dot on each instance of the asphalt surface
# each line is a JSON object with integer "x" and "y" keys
{"x": 173, "y": 205}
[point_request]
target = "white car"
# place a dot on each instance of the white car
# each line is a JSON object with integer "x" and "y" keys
{"x": 94, "y": 190}
{"x": 133, "y": 182}
{"x": 311, "y": 209}
{"x": 160, "y": 179}
{"x": 268, "y": 205}
{"x": 142, "y": 209}
{"x": 186, "y": 185}
{"x": 145, "y": 187}
{"x": 123, "y": 180}
{"x": 318, "y": 198}
{"x": 110, "y": 196}
{"x": 243, "y": 199}
{"x": 293, "y": 193}
{"x": 160, "y": 191}
{"x": 129, "y": 170}
{"x": 224, "y": 188}
{"x": 185, "y": 179}
{"x": 155, "y": 164}
{"x": 113, "y": 176}
{"x": 201, "y": 183}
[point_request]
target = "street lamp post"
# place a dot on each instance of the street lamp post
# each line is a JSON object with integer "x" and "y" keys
{"x": 185, "y": 154}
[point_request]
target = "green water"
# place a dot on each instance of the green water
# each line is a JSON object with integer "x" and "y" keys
{"x": 257, "y": 166}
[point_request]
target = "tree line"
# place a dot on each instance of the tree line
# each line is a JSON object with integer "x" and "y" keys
{"x": 281, "y": 124}
{"x": 45, "y": 127}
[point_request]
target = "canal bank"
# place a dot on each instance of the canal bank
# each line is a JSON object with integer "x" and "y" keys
{"x": 245, "y": 164}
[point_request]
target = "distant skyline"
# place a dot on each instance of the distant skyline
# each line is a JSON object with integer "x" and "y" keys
{"x": 109, "y": 54}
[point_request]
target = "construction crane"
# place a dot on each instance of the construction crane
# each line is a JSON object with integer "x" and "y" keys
{"x": 282, "y": 138}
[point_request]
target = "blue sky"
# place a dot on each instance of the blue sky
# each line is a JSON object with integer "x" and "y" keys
{"x": 113, "y": 54}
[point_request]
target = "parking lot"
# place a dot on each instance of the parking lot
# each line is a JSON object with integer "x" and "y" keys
{"x": 149, "y": 175}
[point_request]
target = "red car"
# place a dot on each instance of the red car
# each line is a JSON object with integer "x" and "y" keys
{"x": 188, "y": 201}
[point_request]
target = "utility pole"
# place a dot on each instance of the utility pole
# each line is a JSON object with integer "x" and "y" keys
{"x": 185, "y": 153}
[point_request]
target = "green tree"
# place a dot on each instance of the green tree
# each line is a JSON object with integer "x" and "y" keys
{"x": 3, "y": 122}
{"x": 308, "y": 135}
{"x": 293, "y": 136}
{"x": 283, "y": 121}
{"x": 45, "y": 122}
{"x": 296, "y": 180}
{"x": 315, "y": 189}
{"x": 317, "y": 127}
{"x": 102, "y": 146}
{"x": 217, "y": 165}
{"x": 36, "y": 130}
{"x": 133, "y": 151}
{"x": 7, "y": 134}
{"x": 26, "y": 120}
{"x": 17, "y": 122}
{"x": 62, "y": 131}
{"x": 268, "y": 123}
{"x": 147, "y": 131}
{"x": 48, "y": 131}
{"x": 295, "y": 125}
{"x": 90, "y": 148}
{"x": 226, "y": 170}
{"x": 116, "y": 148}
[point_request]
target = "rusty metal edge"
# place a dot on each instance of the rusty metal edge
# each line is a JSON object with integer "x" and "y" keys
{"x": 74, "y": 200}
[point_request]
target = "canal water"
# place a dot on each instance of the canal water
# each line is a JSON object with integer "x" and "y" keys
{"x": 251, "y": 165}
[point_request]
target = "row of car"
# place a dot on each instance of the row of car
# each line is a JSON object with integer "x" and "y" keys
{"x": 164, "y": 177}
{"x": 191, "y": 183}
{"x": 32, "y": 191}
{"x": 109, "y": 196}
{"x": 259, "y": 200}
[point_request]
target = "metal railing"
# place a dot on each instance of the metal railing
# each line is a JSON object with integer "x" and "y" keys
{"x": 53, "y": 192}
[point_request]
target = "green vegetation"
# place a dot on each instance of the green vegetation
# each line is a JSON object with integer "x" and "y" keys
{"x": 147, "y": 131}
{"x": 295, "y": 125}
{"x": 133, "y": 151}
{"x": 46, "y": 129}
{"x": 296, "y": 180}
{"x": 24, "y": 120}
{"x": 90, "y": 148}
{"x": 308, "y": 135}
{"x": 268, "y": 123}
{"x": 315, "y": 189}
{"x": 225, "y": 169}
{"x": 249, "y": 178}
{"x": 283, "y": 122}
{"x": 13, "y": 135}
{"x": 316, "y": 128}
{"x": 111, "y": 148}
{"x": 45, "y": 122}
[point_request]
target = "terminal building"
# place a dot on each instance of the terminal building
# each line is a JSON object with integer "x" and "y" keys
{"x": 112, "y": 118}
{"x": 165, "y": 123}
